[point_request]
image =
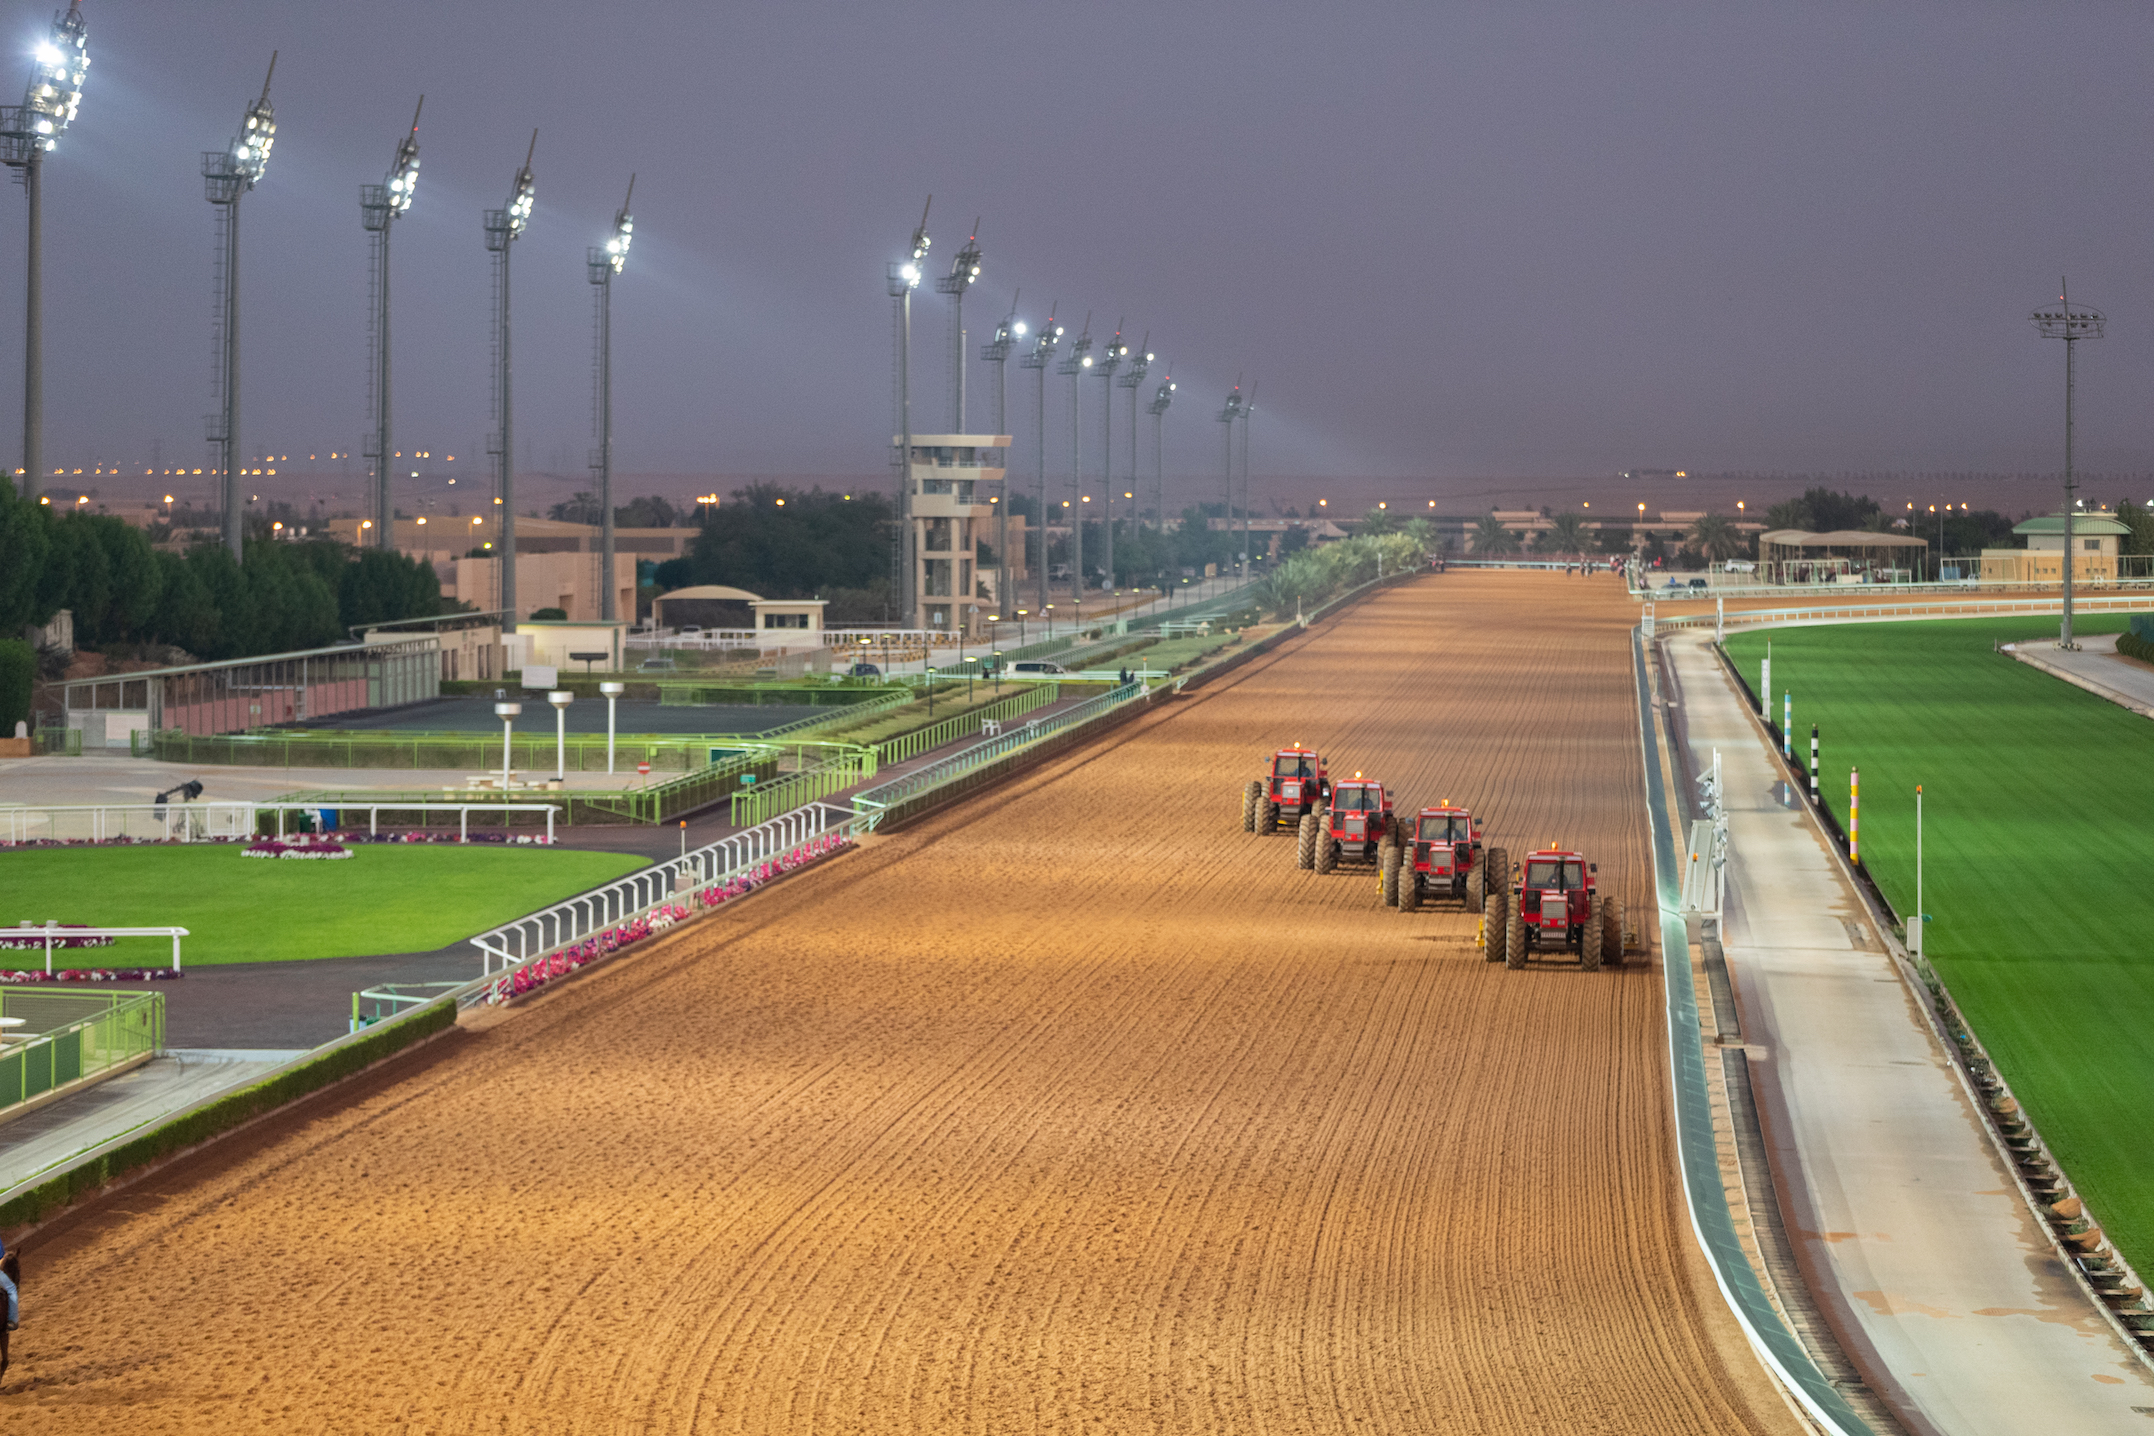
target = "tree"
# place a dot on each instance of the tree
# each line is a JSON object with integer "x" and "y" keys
{"x": 24, "y": 545}
{"x": 382, "y": 587}
{"x": 1821, "y": 510}
{"x": 1566, "y": 534}
{"x": 1614, "y": 538}
{"x": 1716, "y": 538}
{"x": 1490, "y": 536}
{"x": 1375, "y": 523}
{"x": 782, "y": 542}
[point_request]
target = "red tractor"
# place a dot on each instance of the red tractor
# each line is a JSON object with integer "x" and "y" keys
{"x": 1358, "y": 824}
{"x": 1447, "y": 861}
{"x": 1556, "y": 908}
{"x": 1296, "y": 787}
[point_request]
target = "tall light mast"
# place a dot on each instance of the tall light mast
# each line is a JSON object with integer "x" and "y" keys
{"x": 1227, "y": 416}
{"x": 996, "y": 351}
{"x": 1036, "y": 359}
{"x": 380, "y": 205}
{"x": 27, "y": 132}
{"x": 503, "y": 227}
{"x": 226, "y": 175}
{"x": 1109, "y": 361}
{"x": 964, "y": 269}
{"x": 903, "y": 277}
{"x": 1133, "y": 375}
{"x": 1161, "y": 398}
{"x": 1248, "y": 408}
{"x": 601, "y": 265}
{"x": 2071, "y": 323}
{"x": 1075, "y": 364}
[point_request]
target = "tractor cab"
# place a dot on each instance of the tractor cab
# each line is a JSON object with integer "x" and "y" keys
{"x": 1559, "y": 908}
{"x": 1446, "y": 859}
{"x": 1294, "y": 785}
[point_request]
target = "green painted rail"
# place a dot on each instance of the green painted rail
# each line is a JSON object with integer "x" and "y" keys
{"x": 764, "y": 801}
{"x": 920, "y": 740}
{"x": 74, "y": 1035}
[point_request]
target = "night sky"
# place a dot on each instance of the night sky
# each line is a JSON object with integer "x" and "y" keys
{"x": 1447, "y": 242}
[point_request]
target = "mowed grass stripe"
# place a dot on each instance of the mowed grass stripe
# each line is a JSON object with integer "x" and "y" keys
{"x": 2038, "y": 862}
{"x": 386, "y": 898}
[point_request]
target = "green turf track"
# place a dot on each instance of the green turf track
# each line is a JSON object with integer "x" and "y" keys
{"x": 386, "y": 898}
{"x": 2038, "y": 863}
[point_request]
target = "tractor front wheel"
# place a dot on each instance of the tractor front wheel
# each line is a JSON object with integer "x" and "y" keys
{"x": 1493, "y": 922}
{"x": 1612, "y": 929}
{"x": 1387, "y": 875}
{"x": 1589, "y": 944}
{"x": 1327, "y": 853}
{"x": 1268, "y": 822}
{"x": 1305, "y": 840}
{"x": 1409, "y": 890}
{"x": 1498, "y": 881}
{"x": 1514, "y": 944}
{"x": 1251, "y": 796}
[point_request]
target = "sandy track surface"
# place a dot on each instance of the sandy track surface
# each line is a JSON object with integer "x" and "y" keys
{"x": 1079, "y": 1110}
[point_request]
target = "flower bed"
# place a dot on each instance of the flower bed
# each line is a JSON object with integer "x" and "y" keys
{"x": 541, "y": 970}
{"x": 424, "y": 836}
{"x": 31, "y": 937}
{"x": 97, "y": 974}
{"x": 302, "y": 847}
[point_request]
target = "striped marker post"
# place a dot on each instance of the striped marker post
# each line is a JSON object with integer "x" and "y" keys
{"x": 1765, "y": 680}
{"x": 1787, "y": 728}
{"x": 1813, "y": 762}
{"x": 1854, "y": 816}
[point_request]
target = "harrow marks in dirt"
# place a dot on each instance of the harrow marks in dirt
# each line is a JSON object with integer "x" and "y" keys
{"x": 1077, "y": 1109}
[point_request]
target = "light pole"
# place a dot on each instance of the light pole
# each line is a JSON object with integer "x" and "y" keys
{"x": 503, "y": 228}
{"x": 1248, "y": 408}
{"x": 964, "y": 269}
{"x": 1134, "y": 372}
{"x": 1227, "y": 416}
{"x": 1109, "y": 362}
{"x": 601, "y": 265}
{"x": 996, "y": 351}
{"x": 226, "y": 175}
{"x": 560, "y": 699}
{"x": 506, "y": 712}
{"x": 1074, "y": 364}
{"x": 1161, "y": 398}
{"x": 613, "y": 692}
{"x": 379, "y": 207}
{"x": 2071, "y": 323}
{"x": 27, "y": 132}
{"x": 903, "y": 277}
{"x": 1036, "y": 359}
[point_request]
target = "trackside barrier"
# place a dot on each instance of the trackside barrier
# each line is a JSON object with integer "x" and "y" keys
{"x": 766, "y": 800}
{"x": 908, "y": 745}
{"x": 1697, "y": 1150}
{"x": 71, "y": 1036}
{"x": 963, "y": 763}
{"x": 1957, "y": 608}
{"x": 140, "y": 822}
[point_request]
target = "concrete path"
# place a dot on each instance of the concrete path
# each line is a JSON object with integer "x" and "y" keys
{"x": 1907, "y": 1225}
{"x": 174, "y": 1079}
{"x": 2096, "y": 667}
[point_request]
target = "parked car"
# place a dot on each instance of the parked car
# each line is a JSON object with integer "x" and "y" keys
{"x": 865, "y": 670}
{"x": 1038, "y": 667}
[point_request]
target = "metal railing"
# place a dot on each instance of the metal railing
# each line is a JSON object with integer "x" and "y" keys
{"x": 31, "y": 937}
{"x": 69, "y": 1036}
{"x": 59, "y": 742}
{"x": 888, "y": 795}
{"x": 513, "y": 944}
{"x": 105, "y": 822}
{"x": 1954, "y": 608}
{"x": 949, "y": 730}
{"x": 833, "y": 774}
{"x": 374, "y": 809}
{"x": 470, "y": 751}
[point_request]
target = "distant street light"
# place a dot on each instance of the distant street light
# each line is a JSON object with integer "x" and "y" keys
{"x": 1109, "y": 362}
{"x": 996, "y": 351}
{"x": 1074, "y": 364}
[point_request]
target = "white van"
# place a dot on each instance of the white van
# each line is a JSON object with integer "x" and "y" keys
{"x": 1039, "y": 667}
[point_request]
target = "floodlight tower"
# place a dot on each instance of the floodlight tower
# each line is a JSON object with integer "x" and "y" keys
{"x": 226, "y": 175}
{"x": 1227, "y": 416}
{"x": 2071, "y": 323}
{"x": 903, "y": 277}
{"x": 1161, "y": 398}
{"x": 1110, "y": 360}
{"x": 27, "y": 132}
{"x": 503, "y": 227}
{"x": 1075, "y": 364}
{"x": 964, "y": 269}
{"x": 601, "y": 265}
{"x": 380, "y": 205}
{"x": 1036, "y": 359}
{"x": 1134, "y": 369}
{"x": 1248, "y": 408}
{"x": 996, "y": 351}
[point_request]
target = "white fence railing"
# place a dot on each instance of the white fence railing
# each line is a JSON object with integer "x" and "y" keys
{"x": 1953, "y": 608}
{"x": 50, "y": 937}
{"x": 105, "y": 822}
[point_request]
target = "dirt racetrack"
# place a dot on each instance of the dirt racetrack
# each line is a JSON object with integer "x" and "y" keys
{"x": 1073, "y": 1110}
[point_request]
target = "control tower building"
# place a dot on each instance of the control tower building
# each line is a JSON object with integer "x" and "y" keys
{"x": 957, "y": 490}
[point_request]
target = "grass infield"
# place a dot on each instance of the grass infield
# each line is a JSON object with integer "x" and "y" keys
{"x": 386, "y": 898}
{"x": 2037, "y": 856}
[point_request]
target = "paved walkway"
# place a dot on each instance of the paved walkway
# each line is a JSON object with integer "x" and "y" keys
{"x": 2096, "y": 667}
{"x": 1907, "y": 1224}
{"x": 175, "y": 1079}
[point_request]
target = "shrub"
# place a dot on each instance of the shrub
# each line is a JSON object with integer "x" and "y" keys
{"x": 2131, "y": 645}
{"x": 18, "y": 669}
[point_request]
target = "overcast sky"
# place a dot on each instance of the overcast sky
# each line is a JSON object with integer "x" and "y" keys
{"x": 1444, "y": 240}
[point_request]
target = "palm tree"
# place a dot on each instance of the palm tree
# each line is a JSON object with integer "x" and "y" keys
{"x": 1490, "y": 536}
{"x": 1566, "y": 534}
{"x": 1716, "y": 537}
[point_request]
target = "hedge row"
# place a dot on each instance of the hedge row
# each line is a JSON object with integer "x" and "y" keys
{"x": 2131, "y": 645}
{"x": 222, "y": 1115}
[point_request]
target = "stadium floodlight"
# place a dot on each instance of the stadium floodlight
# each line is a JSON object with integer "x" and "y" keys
{"x": 28, "y": 131}
{"x": 503, "y": 227}
{"x": 964, "y": 270}
{"x": 1161, "y": 398}
{"x": 901, "y": 279}
{"x": 2071, "y": 323}
{"x": 226, "y": 175}
{"x": 1110, "y": 360}
{"x": 1135, "y": 366}
{"x": 379, "y": 206}
{"x": 1036, "y": 359}
{"x": 1248, "y": 408}
{"x": 1227, "y": 415}
{"x": 601, "y": 264}
{"x": 996, "y": 351}
{"x": 1075, "y": 364}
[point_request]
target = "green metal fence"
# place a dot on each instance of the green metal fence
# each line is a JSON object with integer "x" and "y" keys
{"x": 470, "y": 752}
{"x": 59, "y": 742}
{"x": 765, "y": 801}
{"x": 657, "y": 803}
{"x": 64, "y": 1037}
{"x": 908, "y": 745}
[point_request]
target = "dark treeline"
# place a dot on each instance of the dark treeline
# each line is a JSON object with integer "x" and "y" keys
{"x": 123, "y": 591}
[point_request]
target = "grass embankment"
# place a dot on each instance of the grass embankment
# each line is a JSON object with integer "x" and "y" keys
{"x": 386, "y": 898}
{"x": 2037, "y": 855}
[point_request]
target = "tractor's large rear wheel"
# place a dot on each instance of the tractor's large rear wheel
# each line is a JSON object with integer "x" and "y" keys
{"x": 1612, "y": 929}
{"x": 1409, "y": 890}
{"x": 1493, "y": 923}
{"x": 1498, "y": 881}
{"x": 1327, "y": 852}
{"x": 1305, "y": 838}
{"x": 1387, "y": 874}
{"x": 1589, "y": 944}
{"x": 1514, "y": 943}
{"x": 1268, "y": 819}
{"x": 1251, "y": 796}
{"x": 1476, "y": 892}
